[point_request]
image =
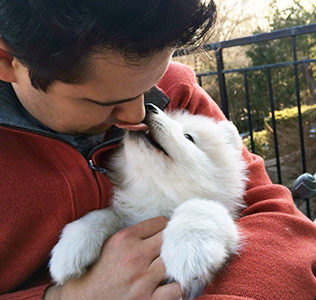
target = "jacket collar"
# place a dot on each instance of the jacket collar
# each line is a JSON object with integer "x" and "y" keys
{"x": 12, "y": 113}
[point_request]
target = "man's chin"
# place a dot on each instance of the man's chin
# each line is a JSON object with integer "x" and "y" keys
{"x": 96, "y": 130}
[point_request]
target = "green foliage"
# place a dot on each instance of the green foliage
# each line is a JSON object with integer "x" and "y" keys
{"x": 261, "y": 144}
{"x": 284, "y": 115}
{"x": 276, "y": 51}
{"x": 287, "y": 130}
{"x": 283, "y": 79}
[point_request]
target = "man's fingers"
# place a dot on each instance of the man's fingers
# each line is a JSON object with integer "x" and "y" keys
{"x": 149, "y": 228}
{"x": 170, "y": 291}
{"x": 153, "y": 244}
{"x": 157, "y": 271}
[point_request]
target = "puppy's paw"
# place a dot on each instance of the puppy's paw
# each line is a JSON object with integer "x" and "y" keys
{"x": 81, "y": 243}
{"x": 77, "y": 249}
{"x": 197, "y": 242}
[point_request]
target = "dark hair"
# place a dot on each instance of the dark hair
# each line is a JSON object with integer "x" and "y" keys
{"x": 54, "y": 39}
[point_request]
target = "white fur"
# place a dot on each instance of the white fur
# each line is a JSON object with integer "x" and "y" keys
{"x": 199, "y": 186}
{"x": 80, "y": 244}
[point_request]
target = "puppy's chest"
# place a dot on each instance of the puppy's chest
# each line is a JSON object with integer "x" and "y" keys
{"x": 134, "y": 209}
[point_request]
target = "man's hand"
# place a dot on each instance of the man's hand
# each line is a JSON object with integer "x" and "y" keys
{"x": 129, "y": 268}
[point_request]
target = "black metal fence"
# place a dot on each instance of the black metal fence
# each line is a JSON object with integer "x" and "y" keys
{"x": 221, "y": 72}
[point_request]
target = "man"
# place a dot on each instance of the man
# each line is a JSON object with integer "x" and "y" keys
{"x": 69, "y": 72}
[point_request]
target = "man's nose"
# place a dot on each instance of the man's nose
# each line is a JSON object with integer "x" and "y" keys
{"x": 132, "y": 112}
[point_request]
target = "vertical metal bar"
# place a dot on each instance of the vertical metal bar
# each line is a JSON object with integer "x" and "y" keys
{"x": 298, "y": 100}
{"x": 308, "y": 208}
{"x": 276, "y": 144}
{"x": 199, "y": 80}
{"x": 222, "y": 82}
{"x": 249, "y": 112}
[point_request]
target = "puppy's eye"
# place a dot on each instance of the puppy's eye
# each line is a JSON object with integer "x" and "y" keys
{"x": 189, "y": 137}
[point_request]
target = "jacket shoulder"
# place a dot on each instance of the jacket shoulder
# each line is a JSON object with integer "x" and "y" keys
{"x": 179, "y": 74}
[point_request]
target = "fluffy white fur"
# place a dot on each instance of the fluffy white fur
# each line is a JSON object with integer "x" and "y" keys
{"x": 199, "y": 186}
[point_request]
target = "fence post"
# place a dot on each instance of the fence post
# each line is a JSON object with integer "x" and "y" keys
{"x": 298, "y": 100}
{"x": 252, "y": 143}
{"x": 274, "y": 126}
{"x": 221, "y": 81}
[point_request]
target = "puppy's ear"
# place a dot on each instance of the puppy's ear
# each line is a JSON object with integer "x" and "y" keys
{"x": 7, "y": 63}
{"x": 232, "y": 135}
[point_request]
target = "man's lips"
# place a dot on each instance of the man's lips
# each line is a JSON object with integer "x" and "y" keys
{"x": 133, "y": 127}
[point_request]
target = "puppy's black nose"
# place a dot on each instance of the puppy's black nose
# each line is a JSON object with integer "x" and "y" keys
{"x": 151, "y": 108}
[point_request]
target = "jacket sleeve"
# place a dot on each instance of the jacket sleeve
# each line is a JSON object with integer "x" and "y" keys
{"x": 36, "y": 293}
{"x": 277, "y": 259}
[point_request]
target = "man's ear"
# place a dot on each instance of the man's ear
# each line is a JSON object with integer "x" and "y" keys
{"x": 7, "y": 70}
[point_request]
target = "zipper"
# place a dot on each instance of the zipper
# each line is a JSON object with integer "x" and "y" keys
{"x": 114, "y": 138}
{"x": 46, "y": 134}
{"x": 96, "y": 168}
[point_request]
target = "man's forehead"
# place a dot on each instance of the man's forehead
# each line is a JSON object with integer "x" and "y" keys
{"x": 118, "y": 59}
{"x": 125, "y": 60}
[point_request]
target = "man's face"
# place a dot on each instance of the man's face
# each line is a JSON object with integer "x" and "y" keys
{"x": 113, "y": 93}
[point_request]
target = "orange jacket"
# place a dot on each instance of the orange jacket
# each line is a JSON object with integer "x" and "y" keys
{"x": 46, "y": 183}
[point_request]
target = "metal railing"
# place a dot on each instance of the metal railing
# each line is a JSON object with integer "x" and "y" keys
{"x": 221, "y": 72}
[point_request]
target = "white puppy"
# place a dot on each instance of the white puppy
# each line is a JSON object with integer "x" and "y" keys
{"x": 188, "y": 168}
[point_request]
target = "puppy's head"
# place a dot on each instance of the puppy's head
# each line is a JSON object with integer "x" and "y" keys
{"x": 187, "y": 154}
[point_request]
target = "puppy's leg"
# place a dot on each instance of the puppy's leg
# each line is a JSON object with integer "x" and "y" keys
{"x": 80, "y": 244}
{"x": 197, "y": 242}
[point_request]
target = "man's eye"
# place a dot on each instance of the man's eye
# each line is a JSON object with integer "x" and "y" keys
{"x": 189, "y": 137}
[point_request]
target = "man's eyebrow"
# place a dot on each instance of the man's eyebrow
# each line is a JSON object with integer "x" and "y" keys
{"x": 110, "y": 103}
